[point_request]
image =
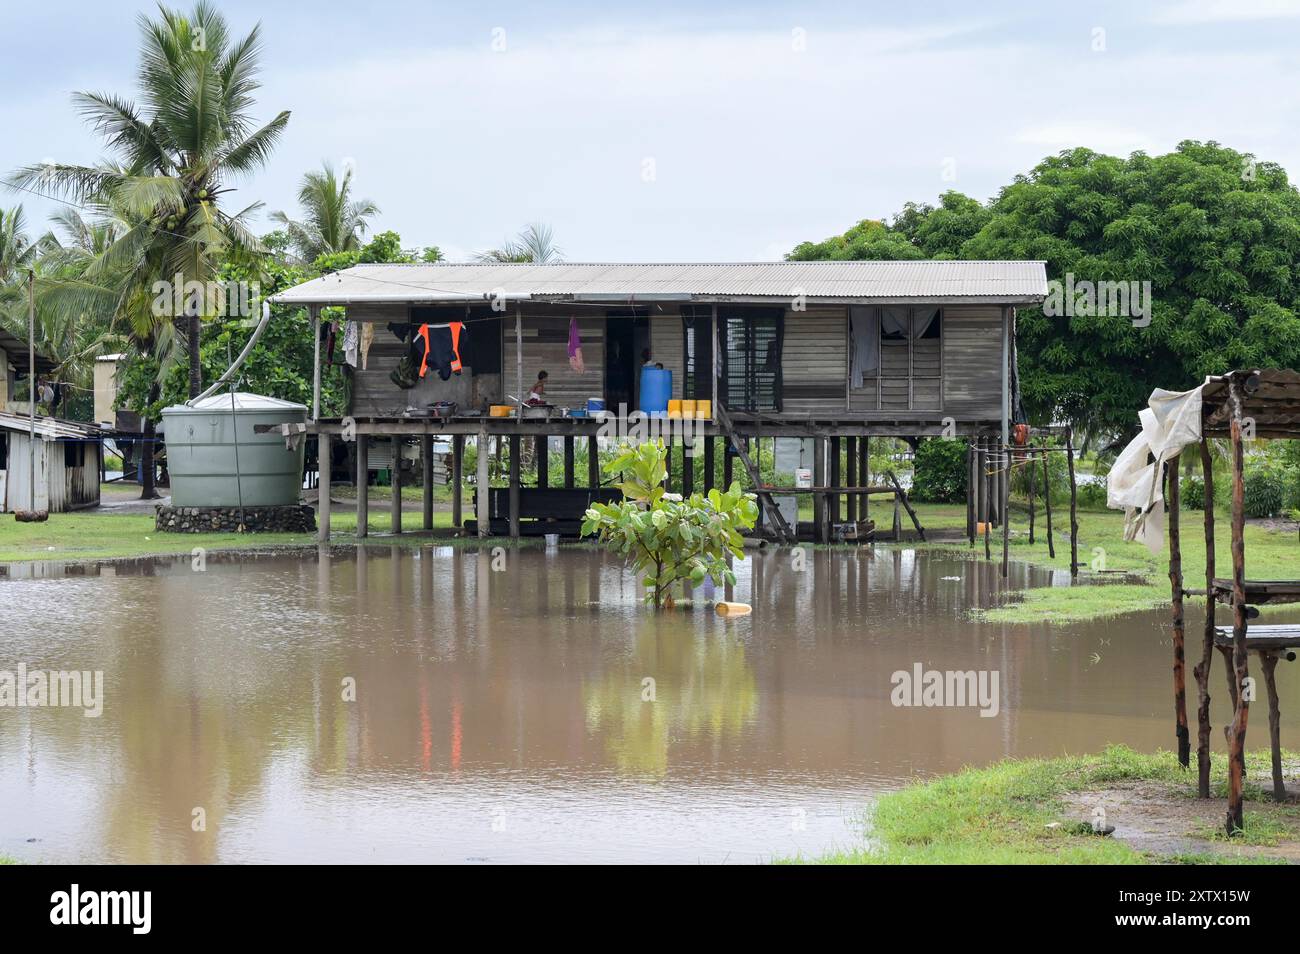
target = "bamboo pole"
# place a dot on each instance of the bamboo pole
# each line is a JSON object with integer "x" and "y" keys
{"x": 1241, "y": 711}
{"x": 1202, "y": 670}
{"x": 1176, "y": 587}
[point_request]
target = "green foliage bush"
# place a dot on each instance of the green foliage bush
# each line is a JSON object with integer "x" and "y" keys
{"x": 666, "y": 538}
{"x": 940, "y": 471}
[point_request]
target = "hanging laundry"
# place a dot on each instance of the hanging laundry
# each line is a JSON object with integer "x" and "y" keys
{"x": 351, "y": 343}
{"x": 367, "y": 338}
{"x": 331, "y": 337}
{"x": 440, "y": 346}
{"x": 575, "y": 348}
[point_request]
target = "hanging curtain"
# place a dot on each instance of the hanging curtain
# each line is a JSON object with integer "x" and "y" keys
{"x": 864, "y": 332}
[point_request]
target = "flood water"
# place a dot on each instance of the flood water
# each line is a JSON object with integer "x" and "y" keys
{"x": 524, "y": 706}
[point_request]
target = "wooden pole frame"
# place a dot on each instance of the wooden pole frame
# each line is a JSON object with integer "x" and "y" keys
{"x": 1006, "y": 509}
{"x": 1174, "y": 506}
{"x": 1201, "y": 672}
{"x": 1047, "y": 508}
{"x": 1074, "y": 505}
{"x": 1240, "y": 661}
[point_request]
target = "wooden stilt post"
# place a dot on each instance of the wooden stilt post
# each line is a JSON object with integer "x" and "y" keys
{"x": 851, "y": 478}
{"x": 688, "y": 469}
{"x": 543, "y": 461}
{"x": 593, "y": 462}
{"x": 396, "y": 471}
{"x": 1047, "y": 507}
{"x": 482, "y": 482}
{"x": 819, "y": 498}
{"x": 568, "y": 462}
{"x": 426, "y": 462}
{"x": 363, "y": 485}
{"x": 1074, "y": 506}
{"x": 514, "y": 486}
{"x": 323, "y": 488}
{"x": 1033, "y": 480}
{"x": 728, "y": 465}
{"x": 985, "y": 505}
{"x": 457, "y": 479}
{"x": 1241, "y": 711}
{"x": 1202, "y": 670}
{"x": 971, "y": 491}
{"x": 1176, "y": 588}
{"x": 834, "y": 501}
{"x": 710, "y": 445}
{"x": 1268, "y": 661}
{"x": 864, "y": 477}
{"x": 1006, "y": 510}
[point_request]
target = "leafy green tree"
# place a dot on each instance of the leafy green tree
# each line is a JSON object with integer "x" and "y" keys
{"x": 1215, "y": 232}
{"x": 668, "y": 539}
{"x": 939, "y": 474}
{"x": 332, "y": 220}
{"x": 175, "y": 156}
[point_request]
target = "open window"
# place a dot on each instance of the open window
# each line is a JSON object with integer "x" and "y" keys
{"x": 896, "y": 358}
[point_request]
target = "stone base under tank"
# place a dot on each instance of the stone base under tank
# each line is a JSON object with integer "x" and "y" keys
{"x": 290, "y": 519}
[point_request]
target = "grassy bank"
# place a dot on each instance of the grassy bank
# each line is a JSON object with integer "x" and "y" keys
{"x": 91, "y": 535}
{"x": 1020, "y": 811}
{"x": 1102, "y": 547}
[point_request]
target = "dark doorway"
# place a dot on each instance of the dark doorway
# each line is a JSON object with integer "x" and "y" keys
{"x": 625, "y": 330}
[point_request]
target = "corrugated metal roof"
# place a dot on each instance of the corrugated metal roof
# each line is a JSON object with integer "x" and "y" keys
{"x": 17, "y": 349}
{"x": 939, "y": 281}
{"x": 49, "y": 428}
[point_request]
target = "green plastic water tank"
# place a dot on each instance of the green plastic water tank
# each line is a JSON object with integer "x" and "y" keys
{"x": 216, "y": 460}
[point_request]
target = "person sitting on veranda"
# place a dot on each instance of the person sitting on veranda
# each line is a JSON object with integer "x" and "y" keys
{"x": 535, "y": 396}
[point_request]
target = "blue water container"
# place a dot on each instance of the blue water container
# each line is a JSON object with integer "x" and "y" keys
{"x": 656, "y": 389}
{"x": 595, "y": 405}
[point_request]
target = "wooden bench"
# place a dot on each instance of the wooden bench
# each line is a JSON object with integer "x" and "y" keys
{"x": 1270, "y": 643}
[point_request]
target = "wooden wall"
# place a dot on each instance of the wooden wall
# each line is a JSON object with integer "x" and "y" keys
{"x": 814, "y": 360}
{"x": 972, "y": 362}
{"x": 815, "y": 364}
{"x": 545, "y": 347}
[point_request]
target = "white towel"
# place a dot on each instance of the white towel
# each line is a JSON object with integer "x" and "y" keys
{"x": 1170, "y": 422}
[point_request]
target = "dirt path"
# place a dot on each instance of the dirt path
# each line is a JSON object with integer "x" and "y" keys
{"x": 1153, "y": 817}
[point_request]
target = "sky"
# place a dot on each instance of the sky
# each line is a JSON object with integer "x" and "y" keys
{"x": 683, "y": 131}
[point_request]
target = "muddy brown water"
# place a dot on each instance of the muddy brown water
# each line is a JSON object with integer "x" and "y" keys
{"x": 524, "y": 706}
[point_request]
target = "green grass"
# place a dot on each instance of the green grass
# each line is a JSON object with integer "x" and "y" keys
{"x": 89, "y": 535}
{"x": 1001, "y": 814}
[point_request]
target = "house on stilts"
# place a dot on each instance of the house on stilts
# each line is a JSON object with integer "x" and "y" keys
{"x": 835, "y": 352}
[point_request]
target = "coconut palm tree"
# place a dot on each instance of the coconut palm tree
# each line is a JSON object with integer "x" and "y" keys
{"x": 87, "y": 299}
{"x": 17, "y": 250}
{"x": 175, "y": 154}
{"x": 332, "y": 221}
{"x": 536, "y": 244}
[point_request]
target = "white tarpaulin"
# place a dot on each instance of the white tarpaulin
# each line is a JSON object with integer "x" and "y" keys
{"x": 1171, "y": 421}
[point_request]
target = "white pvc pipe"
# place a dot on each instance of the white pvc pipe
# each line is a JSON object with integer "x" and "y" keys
{"x": 257, "y": 333}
